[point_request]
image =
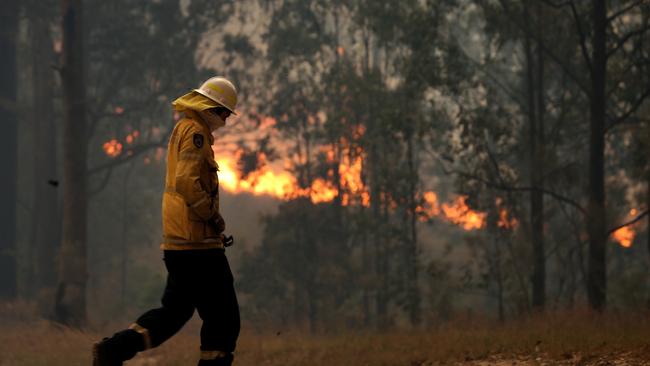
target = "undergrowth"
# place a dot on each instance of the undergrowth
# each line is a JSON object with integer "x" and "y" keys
{"x": 25, "y": 341}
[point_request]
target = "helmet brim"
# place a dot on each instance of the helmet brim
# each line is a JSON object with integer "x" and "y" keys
{"x": 221, "y": 104}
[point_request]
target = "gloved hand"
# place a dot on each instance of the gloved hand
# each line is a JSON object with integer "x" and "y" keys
{"x": 219, "y": 224}
{"x": 227, "y": 240}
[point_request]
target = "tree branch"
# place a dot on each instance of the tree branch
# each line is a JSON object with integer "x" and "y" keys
{"x": 637, "y": 104}
{"x": 633, "y": 221}
{"x": 625, "y": 10}
{"x": 578, "y": 24}
{"x": 103, "y": 183}
{"x": 626, "y": 38}
{"x": 550, "y": 53}
{"x": 505, "y": 187}
{"x": 496, "y": 80}
{"x": 581, "y": 34}
{"x": 555, "y": 5}
{"x": 136, "y": 151}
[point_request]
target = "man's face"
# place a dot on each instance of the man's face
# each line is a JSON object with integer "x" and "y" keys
{"x": 221, "y": 112}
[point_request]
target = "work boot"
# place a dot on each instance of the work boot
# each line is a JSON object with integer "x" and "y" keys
{"x": 102, "y": 355}
{"x": 122, "y": 346}
{"x": 219, "y": 361}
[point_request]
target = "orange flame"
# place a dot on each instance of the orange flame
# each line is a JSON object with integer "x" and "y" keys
{"x": 505, "y": 222}
{"x": 280, "y": 183}
{"x": 460, "y": 214}
{"x": 625, "y": 235}
{"x": 112, "y": 148}
{"x": 430, "y": 208}
{"x": 456, "y": 212}
{"x": 350, "y": 170}
{"x": 320, "y": 191}
{"x": 261, "y": 182}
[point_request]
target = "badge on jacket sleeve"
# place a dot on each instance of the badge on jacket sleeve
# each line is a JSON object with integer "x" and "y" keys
{"x": 198, "y": 140}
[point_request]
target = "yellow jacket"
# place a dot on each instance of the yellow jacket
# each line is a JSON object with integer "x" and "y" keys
{"x": 190, "y": 209}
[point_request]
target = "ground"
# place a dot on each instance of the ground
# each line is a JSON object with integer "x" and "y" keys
{"x": 576, "y": 338}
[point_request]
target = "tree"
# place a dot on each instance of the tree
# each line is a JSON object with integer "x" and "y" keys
{"x": 536, "y": 106}
{"x": 609, "y": 36}
{"x": 45, "y": 221}
{"x": 9, "y": 15}
{"x": 70, "y": 306}
{"x": 597, "y": 278}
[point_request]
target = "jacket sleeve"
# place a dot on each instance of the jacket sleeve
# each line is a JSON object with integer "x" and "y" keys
{"x": 201, "y": 202}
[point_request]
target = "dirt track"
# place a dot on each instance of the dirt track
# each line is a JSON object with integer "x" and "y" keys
{"x": 571, "y": 360}
{"x": 623, "y": 359}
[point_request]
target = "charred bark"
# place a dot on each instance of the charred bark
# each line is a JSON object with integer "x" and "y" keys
{"x": 70, "y": 306}
{"x": 646, "y": 14}
{"x": 535, "y": 106}
{"x": 412, "y": 289}
{"x": 45, "y": 212}
{"x": 8, "y": 148}
{"x": 596, "y": 276}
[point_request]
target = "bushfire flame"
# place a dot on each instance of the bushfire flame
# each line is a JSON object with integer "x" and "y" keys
{"x": 112, "y": 148}
{"x": 456, "y": 212}
{"x": 460, "y": 214}
{"x": 625, "y": 235}
{"x": 279, "y": 182}
{"x": 505, "y": 221}
{"x": 259, "y": 182}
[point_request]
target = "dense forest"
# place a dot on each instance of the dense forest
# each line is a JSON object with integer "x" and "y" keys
{"x": 393, "y": 164}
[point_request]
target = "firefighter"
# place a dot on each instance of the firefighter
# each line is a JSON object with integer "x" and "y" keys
{"x": 199, "y": 276}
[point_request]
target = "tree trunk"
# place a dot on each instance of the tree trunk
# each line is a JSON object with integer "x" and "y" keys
{"x": 381, "y": 218}
{"x": 412, "y": 289}
{"x": 8, "y": 149}
{"x": 539, "y": 272}
{"x": 597, "y": 277}
{"x": 647, "y": 195}
{"x": 45, "y": 211}
{"x": 375, "y": 218}
{"x": 71, "y": 290}
{"x": 124, "y": 252}
{"x": 499, "y": 279}
{"x": 382, "y": 270}
{"x": 534, "y": 87}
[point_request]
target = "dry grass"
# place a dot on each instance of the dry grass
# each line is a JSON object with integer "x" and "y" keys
{"x": 550, "y": 339}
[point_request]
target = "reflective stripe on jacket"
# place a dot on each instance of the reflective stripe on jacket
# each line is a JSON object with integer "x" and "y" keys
{"x": 191, "y": 199}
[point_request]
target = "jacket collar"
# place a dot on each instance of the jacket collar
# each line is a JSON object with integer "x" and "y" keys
{"x": 189, "y": 113}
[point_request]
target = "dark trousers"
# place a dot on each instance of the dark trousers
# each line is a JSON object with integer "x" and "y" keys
{"x": 197, "y": 279}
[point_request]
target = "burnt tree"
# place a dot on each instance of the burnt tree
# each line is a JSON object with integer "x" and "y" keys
{"x": 45, "y": 212}
{"x": 535, "y": 106}
{"x": 597, "y": 276}
{"x": 70, "y": 307}
{"x": 8, "y": 147}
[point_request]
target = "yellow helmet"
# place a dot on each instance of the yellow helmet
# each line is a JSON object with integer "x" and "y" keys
{"x": 220, "y": 90}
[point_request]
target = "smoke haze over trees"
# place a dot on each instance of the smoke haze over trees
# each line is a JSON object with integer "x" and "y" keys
{"x": 394, "y": 164}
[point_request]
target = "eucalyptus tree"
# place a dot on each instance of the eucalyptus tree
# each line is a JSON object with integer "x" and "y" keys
{"x": 8, "y": 36}
{"x": 347, "y": 82}
{"x": 605, "y": 49}
{"x": 45, "y": 128}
